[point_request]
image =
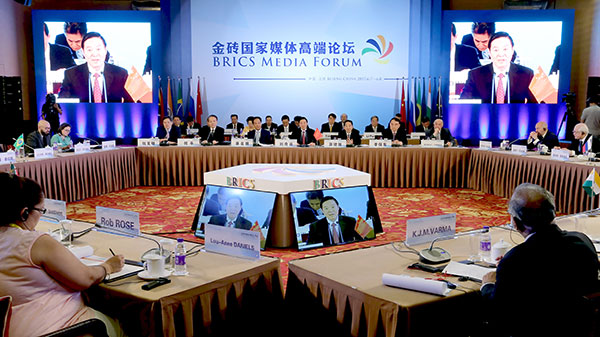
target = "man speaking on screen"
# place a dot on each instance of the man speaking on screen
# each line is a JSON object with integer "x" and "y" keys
{"x": 95, "y": 81}
{"x": 500, "y": 81}
{"x": 334, "y": 228}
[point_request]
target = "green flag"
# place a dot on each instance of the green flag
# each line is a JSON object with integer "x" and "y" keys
{"x": 19, "y": 143}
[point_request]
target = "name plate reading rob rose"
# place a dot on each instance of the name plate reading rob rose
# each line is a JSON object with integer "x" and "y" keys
{"x": 122, "y": 221}
{"x": 430, "y": 228}
{"x": 8, "y": 157}
{"x": 232, "y": 241}
{"x": 43, "y": 153}
{"x": 560, "y": 154}
{"x": 56, "y": 208}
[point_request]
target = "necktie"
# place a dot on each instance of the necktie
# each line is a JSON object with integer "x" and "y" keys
{"x": 230, "y": 223}
{"x": 500, "y": 90}
{"x": 256, "y": 136}
{"x": 347, "y": 135}
{"x": 393, "y": 136}
{"x": 210, "y": 135}
{"x": 303, "y": 137}
{"x": 334, "y": 234}
{"x": 97, "y": 90}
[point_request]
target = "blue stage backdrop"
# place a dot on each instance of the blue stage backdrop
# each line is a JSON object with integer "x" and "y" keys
{"x": 274, "y": 58}
{"x": 536, "y": 35}
{"x": 128, "y": 36}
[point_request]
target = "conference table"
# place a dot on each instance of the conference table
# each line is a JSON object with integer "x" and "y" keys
{"x": 222, "y": 295}
{"x": 344, "y": 293}
{"x": 72, "y": 177}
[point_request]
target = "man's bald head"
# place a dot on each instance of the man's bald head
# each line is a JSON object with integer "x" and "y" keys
{"x": 44, "y": 127}
{"x": 531, "y": 206}
{"x": 438, "y": 123}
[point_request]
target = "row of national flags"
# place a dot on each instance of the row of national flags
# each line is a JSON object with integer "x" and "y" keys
{"x": 192, "y": 106}
{"x": 417, "y": 97}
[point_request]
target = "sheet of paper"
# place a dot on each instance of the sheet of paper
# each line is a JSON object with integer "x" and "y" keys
{"x": 468, "y": 270}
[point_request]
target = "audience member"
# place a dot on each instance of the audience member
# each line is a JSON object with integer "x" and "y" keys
{"x": 462, "y": 56}
{"x": 166, "y": 132}
{"x": 43, "y": 277}
{"x": 40, "y": 138}
{"x": 234, "y": 125}
{"x": 51, "y": 111}
{"x": 425, "y": 125}
{"x": 538, "y": 286}
{"x": 304, "y": 135}
{"x": 190, "y": 124}
{"x": 56, "y": 56}
{"x": 72, "y": 37}
{"x": 61, "y": 138}
{"x": 269, "y": 125}
{"x": 374, "y": 126}
{"x": 542, "y": 136}
{"x": 395, "y": 133}
{"x": 439, "y": 132}
{"x": 591, "y": 115}
{"x": 480, "y": 38}
{"x": 331, "y": 125}
{"x": 249, "y": 127}
{"x": 350, "y": 134}
{"x": 343, "y": 118}
{"x": 259, "y": 135}
{"x": 211, "y": 133}
{"x": 285, "y": 126}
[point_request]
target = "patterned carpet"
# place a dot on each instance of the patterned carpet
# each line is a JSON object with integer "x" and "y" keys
{"x": 169, "y": 211}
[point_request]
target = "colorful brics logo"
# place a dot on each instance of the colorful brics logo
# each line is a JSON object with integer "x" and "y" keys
{"x": 380, "y": 48}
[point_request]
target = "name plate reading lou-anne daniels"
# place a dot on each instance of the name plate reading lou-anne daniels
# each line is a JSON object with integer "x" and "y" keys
{"x": 232, "y": 241}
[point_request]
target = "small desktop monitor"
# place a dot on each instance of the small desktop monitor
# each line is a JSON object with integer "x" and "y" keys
{"x": 352, "y": 209}
{"x": 234, "y": 207}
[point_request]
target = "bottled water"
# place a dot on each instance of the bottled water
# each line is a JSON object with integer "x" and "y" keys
{"x": 485, "y": 245}
{"x": 180, "y": 267}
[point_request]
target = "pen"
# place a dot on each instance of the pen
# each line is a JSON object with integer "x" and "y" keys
{"x": 111, "y": 251}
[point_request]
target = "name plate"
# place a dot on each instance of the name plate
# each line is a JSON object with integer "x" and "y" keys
{"x": 232, "y": 241}
{"x": 82, "y": 148}
{"x": 145, "y": 142}
{"x": 56, "y": 208}
{"x": 243, "y": 142}
{"x": 417, "y": 135}
{"x": 432, "y": 143}
{"x": 560, "y": 154}
{"x": 519, "y": 149}
{"x": 285, "y": 134}
{"x": 380, "y": 142}
{"x": 334, "y": 143}
{"x": 188, "y": 142}
{"x": 329, "y": 135}
{"x": 8, "y": 157}
{"x": 109, "y": 144}
{"x": 485, "y": 145}
{"x": 430, "y": 228}
{"x": 123, "y": 221}
{"x": 371, "y": 135}
{"x": 286, "y": 142}
{"x": 190, "y": 132}
{"x": 44, "y": 153}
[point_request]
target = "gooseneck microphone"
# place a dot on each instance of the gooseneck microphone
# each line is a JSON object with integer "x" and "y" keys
{"x": 116, "y": 231}
{"x": 435, "y": 255}
{"x": 86, "y": 138}
{"x": 31, "y": 148}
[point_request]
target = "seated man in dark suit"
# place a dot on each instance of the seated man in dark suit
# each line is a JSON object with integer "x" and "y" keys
{"x": 334, "y": 228}
{"x": 72, "y": 37}
{"x": 167, "y": 132}
{"x": 465, "y": 57}
{"x": 439, "y": 132}
{"x": 538, "y": 286}
{"x": 425, "y": 125}
{"x": 542, "y": 136}
{"x": 40, "y": 138}
{"x": 304, "y": 135}
{"x": 211, "y": 133}
{"x": 350, "y": 134}
{"x": 233, "y": 215}
{"x": 490, "y": 82}
{"x": 480, "y": 38}
{"x": 584, "y": 142}
{"x": 234, "y": 125}
{"x": 331, "y": 125}
{"x": 95, "y": 81}
{"x": 374, "y": 126}
{"x": 395, "y": 133}
{"x": 190, "y": 123}
{"x": 269, "y": 125}
{"x": 313, "y": 202}
{"x": 59, "y": 56}
{"x": 259, "y": 134}
{"x": 285, "y": 126}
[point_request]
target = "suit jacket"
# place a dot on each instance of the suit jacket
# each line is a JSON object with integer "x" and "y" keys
{"x": 337, "y": 127}
{"x": 369, "y": 128}
{"x": 265, "y": 136}
{"x": 271, "y": 129}
{"x": 539, "y": 281}
{"x": 480, "y": 80}
{"x": 37, "y": 141}
{"x": 576, "y": 145}
{"x": 76, "y": 84}
{"x": 175, "y": 133}
{"x": 465, "y": 57}
{"x": 354, "y": 135}
{"x": 218, "y": 135}
{"x": 221, "y": 220}
{"x": 305, "y": 215}
{"x": 239, "y": 127}
{"x": 467, "y": 40}
{"x": 400, "y": 135}
{"x": 291, "y": 128}
{"x": 60, "y": 57}
{"x": 184, "y": 127}
{"x": 310, "y": 136}
{"x": 445, "y": 135}
{"x": 420, "y": 128}
{"x": 550, "y": 140}
{"x": 319, "y": 231}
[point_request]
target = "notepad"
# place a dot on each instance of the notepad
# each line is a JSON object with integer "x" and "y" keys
{"x": 86, "y": 255}
{"x": 469, "y": 270}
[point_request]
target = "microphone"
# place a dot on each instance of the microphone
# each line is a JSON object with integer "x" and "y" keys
{"x": 435, "y": 255}
{"x": 90, "y": 139}
{"x": 24, "y": 144}
{"x": 116, "y": 231}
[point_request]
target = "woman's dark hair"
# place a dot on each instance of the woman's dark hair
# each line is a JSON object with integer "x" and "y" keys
{"x": 17, "y": 193}
{"x": 62, "y": 127}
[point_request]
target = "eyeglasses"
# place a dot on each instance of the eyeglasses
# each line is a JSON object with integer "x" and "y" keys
{"x": 41, "y": 210}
